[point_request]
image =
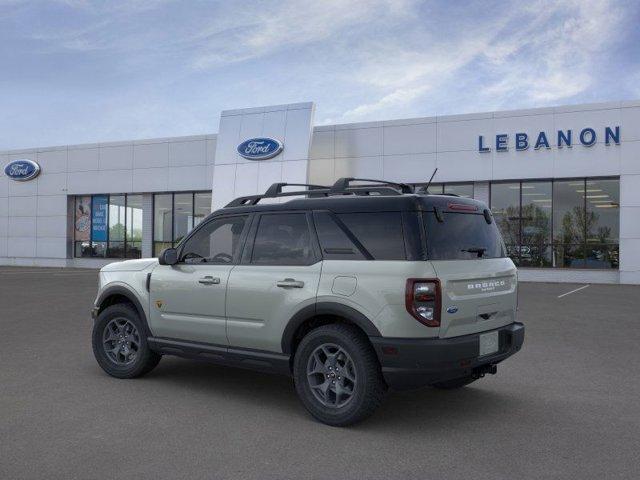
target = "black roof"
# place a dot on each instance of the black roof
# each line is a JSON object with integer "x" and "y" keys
{"x": 342, "y": 197}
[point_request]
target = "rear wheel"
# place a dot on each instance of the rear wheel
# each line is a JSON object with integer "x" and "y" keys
{"x": 337, "y": 375}
{"x": 455, "y": 383}
{"x": 120, "y": 344}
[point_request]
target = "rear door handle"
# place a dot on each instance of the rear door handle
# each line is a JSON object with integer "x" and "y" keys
{"x": 290, "y": 283}
{"x": 209, "y": 280}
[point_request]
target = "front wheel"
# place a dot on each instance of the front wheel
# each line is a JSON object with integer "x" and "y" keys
{"x": 337, "y": 375}
{"x": 120, "y": 344}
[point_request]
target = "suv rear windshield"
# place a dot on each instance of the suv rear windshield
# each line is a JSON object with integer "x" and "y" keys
{"x": 462, "y": 236}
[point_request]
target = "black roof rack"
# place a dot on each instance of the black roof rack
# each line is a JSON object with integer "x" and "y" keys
{"x": 340, "y": 187}
{"x": 342, "y": 184}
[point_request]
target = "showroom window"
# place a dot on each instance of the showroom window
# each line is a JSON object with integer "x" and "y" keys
{"x": 108, "y": 226}
{"x": 564, "y": 223}
{"x": 175, "y": 215}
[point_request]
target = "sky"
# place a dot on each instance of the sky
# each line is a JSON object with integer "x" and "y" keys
{"x": 80, "y": 71}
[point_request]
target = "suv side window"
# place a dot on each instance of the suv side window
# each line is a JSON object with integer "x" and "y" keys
{"x": 379, "y": 232}
{"x": 334, "y": 242}
{"x": 218, "y": 241}
{"x": 283, "y": 239}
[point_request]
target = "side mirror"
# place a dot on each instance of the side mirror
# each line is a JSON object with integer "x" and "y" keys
{"x": 169, "y": 256}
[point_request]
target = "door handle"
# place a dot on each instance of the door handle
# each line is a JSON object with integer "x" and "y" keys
{"x": 209, "y": 280}
{"x": 290, "y": 283}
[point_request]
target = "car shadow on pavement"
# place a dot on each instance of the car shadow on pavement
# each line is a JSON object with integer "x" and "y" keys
{"x": 406, "y": 411}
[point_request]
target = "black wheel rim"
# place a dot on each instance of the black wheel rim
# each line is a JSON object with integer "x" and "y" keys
{"x": 331, "y": 375}
{"x": 121, "y": 341}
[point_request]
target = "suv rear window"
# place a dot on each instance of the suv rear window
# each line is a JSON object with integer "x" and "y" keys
{"x": 462, "y": 236}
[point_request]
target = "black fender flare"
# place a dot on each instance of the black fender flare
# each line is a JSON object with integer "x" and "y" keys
{"x": 326, "y": 308}
{"x": 129, "y": 295}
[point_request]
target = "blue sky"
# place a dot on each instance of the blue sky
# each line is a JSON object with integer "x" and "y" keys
{"x": 79, "y": 71}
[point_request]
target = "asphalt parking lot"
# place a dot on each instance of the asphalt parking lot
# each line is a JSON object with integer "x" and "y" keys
{"x": 567, "y": 406}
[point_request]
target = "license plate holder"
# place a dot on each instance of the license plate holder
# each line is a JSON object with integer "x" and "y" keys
{"x": 489, "y": 343}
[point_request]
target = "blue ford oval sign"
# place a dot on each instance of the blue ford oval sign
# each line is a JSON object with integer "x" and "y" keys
{"x": 260, "y": 148}
{"x": 22, "y": 170}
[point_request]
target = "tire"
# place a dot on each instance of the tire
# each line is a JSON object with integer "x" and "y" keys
{"x": 455, "y": 383}
{"x": 360, "y": 378}
{"x": 134, "y": 358}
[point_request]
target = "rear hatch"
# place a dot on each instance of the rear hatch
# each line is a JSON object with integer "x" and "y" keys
{"x": 478, "y": 282}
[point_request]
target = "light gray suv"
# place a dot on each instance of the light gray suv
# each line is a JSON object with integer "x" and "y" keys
{"x": 350, "y": 289}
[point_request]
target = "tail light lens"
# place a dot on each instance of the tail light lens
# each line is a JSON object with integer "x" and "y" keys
{"x": 422, "y": 299}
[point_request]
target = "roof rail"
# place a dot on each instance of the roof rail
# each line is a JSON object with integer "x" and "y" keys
{"x": 343, "y": 184}
{"x": 275, "y": 190}
{"x": 340, "y": 187}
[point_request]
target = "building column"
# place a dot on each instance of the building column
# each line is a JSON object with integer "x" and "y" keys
{"x": 147, "y": 225}
{"x": 481, "y": 191}
{"x": 629, "y": 229}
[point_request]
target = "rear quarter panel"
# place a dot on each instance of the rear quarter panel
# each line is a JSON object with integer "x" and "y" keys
{"x": 379, "y": 292}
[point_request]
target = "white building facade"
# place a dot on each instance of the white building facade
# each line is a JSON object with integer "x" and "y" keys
{"x": 563, "y": 182}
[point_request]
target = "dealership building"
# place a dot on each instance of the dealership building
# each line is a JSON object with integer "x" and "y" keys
{"x": 563, "y": 182}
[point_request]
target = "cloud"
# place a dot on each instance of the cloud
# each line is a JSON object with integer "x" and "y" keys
{"x": 541, "y": 53}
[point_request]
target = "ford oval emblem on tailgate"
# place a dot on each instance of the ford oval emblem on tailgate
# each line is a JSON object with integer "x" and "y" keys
{"x": 452, "y": 309}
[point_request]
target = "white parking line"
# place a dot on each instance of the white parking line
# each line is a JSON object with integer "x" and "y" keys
{"x": 573, "y": 291}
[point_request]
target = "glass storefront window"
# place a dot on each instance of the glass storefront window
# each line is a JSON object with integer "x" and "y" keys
{"x": 603, "y": 223}
{"x": 461, "y": 189}
{"x": 201, "y": 207}
{"x": 134, "y": 226}
{"x": 505, "y": 205}
{"x": 564, "y": 223}
{"x": 182, "y": 215}
{"x": 162, "y": 222}
{"x": 175, "y": 215}
{"x": 117, "y": 219}
{"x": 108, "y": 226}
{"x": 535, "y": 217}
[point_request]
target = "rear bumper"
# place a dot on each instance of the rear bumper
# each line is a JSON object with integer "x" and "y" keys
{"x": 416, "y": 362}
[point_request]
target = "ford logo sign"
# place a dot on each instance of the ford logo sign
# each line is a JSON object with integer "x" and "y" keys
{"x": 260, "y": 148}
{"x": 22, "y": 170}
{"x": 452, "y": 309}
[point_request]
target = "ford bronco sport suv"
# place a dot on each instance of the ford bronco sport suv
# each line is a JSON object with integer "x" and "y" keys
{"x": 350, "y": 289}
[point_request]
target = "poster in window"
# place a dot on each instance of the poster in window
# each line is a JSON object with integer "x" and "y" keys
{"x": 99, "y": 218}
{"x": 83, "y": 219}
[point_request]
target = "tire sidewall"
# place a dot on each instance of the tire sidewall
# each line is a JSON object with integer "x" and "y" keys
{"x": 120, "y": 371}
{"x": 336, "y": 416}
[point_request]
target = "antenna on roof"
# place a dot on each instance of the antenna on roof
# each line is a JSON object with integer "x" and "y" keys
{"x": 430, "y": 180}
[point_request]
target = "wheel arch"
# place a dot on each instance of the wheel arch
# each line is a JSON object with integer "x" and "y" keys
{"x": 119, "y": 294}
{"x": 323, "y": 313}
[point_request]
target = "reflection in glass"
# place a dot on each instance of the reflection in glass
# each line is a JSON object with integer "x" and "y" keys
{"x": 117, "y": 219}
{"x": 134, "y": 226}
{"x": 505, "y": 206}
{"x": 162, "y": 222}
{"x": 535, "y": 247}
{"x": 182, "y": 215}
{"x": 461, "y": 189}
{"x": 202, "y": 207}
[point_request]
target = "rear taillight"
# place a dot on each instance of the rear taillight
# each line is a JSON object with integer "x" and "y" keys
{"x": 422, "y": 298}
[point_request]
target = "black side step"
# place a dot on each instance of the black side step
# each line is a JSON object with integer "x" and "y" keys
{"x": 222, "y": 355}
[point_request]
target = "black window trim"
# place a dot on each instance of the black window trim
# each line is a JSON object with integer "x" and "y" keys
{"x": 247, "y": 253}
{"x": 352, "y": 238}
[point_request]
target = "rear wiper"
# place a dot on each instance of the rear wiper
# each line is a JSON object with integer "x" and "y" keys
{"x": 479, "y": 250}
